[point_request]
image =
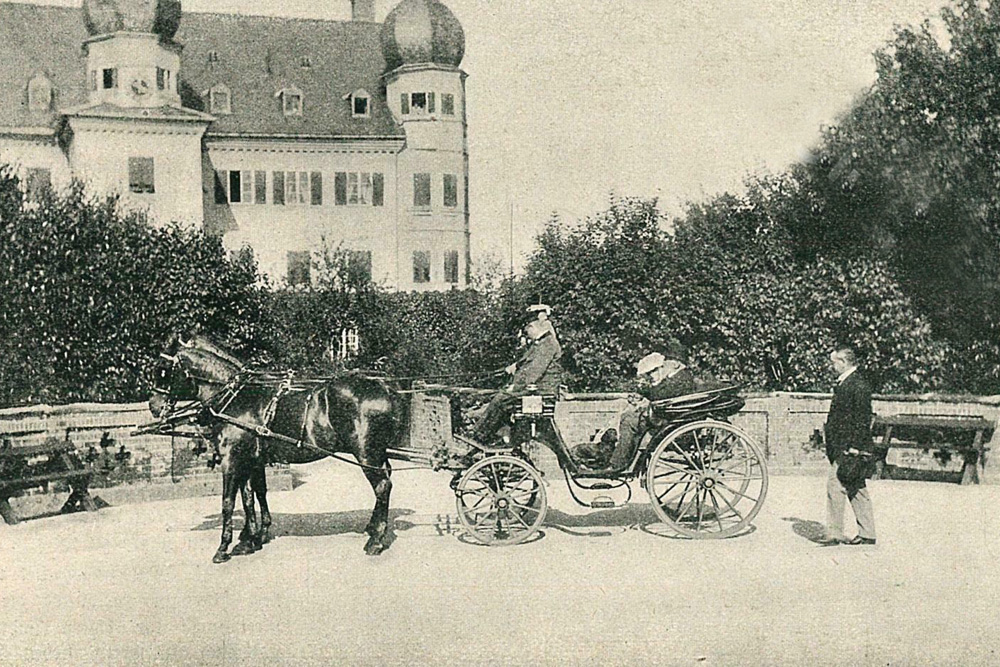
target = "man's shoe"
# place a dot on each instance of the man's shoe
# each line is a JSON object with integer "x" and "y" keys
{"x": 857, "y": 540}
{"x": 831, "y": 541}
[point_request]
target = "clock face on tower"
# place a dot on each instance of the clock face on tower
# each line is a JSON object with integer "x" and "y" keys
{"x": 140, "y": 87}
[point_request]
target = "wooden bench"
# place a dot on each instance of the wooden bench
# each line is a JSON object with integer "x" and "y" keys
{"x": 960, "y": 434}
{"x": 33, "y": 466}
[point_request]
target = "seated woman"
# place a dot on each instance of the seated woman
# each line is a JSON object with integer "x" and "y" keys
{"x": 659, "y": 376}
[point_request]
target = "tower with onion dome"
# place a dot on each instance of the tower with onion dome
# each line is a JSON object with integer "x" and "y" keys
{"x": 423, "y": 45}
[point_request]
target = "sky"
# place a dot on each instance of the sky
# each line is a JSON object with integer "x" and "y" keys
{"x": 570, "y": 101}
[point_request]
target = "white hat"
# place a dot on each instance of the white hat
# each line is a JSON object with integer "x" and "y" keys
{"x": 537, "y": 308}
{"x": 649, "y": 363}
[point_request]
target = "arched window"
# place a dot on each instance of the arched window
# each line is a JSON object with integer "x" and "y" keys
{"x": 39, "y": 93}
{"x": 220, "y": 99}
{"x": 291, "y": 101}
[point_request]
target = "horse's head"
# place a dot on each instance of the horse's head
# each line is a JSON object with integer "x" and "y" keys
{"x": 191, "y": 369}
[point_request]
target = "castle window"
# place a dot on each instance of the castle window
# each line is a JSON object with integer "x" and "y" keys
{"x": 358, "y": 189}
{"x": 296, "y": 187}
{"x": 450, "y": 190}
{"x": 299, "y": 267}
{"x": 359, "y": 266}
{"x": 451, "y": 267}
{"x": 418, "y": 102}
{"x": 422, "y": 190}
{"x": 448, "y": 104}
{"x": 37, "y": 181}
{"x": 291, "y": 101}
{"x": 219, "y": 100}
{"x": 39, "y": 93}
{"x": 109, "y": 78}
{"x": 421, "y": 266}
{"x": 162, "y": 79}
{"x": 140, "y": 175}
{"x": 305, "y": 62}
{"x": 213, "y": 57}
{"x": 240, "y": 187}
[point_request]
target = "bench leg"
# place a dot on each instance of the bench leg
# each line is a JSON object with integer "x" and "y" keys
{"x": 80, "y": 496}
{"x": 7, "y": 512}
{"x": 970, "y": 471}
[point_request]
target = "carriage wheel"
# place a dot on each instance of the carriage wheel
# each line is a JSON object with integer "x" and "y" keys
{"x": 501, "y": 500}
{"x": 707, "y": 480}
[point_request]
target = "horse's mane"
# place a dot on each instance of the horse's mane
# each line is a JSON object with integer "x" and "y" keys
{"x": 205, "y": 345}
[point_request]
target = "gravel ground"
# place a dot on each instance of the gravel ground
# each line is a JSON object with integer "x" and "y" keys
{"x": 134, "y": 585}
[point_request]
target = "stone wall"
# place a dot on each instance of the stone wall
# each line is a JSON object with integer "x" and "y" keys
{"x": 783, "y": 423}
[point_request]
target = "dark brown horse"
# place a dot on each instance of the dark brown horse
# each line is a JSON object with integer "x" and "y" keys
{"x": 254, "y": 418}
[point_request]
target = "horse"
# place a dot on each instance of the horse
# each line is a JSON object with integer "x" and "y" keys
{"x": 255, "y": 417}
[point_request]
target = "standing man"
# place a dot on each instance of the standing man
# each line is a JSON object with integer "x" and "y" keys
{"x": 848, "y": 427}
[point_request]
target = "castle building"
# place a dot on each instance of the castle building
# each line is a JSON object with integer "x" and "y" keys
{"x": 284, "y": 135}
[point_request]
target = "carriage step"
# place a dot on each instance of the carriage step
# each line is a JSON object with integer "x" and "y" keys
{"x": 602, "y": 502}
{"x": 599, "y": 486}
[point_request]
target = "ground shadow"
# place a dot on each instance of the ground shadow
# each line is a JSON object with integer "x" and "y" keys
{"x": 660, "y": 529}
{"x": 318, "y": 524}
{"x": 919, "y": 475}
{"x": 813, "y": 531}
{"x": 617, "y": 520}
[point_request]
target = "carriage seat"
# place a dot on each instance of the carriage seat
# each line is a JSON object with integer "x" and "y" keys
{"x": 723, "y": 400}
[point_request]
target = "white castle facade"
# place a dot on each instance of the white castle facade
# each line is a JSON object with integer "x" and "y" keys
{"x": 279, "y": 134}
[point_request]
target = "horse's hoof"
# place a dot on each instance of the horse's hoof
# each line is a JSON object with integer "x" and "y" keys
{"x": 243, "y": 549}
{"x": 221, "y": 557}
{"x": 374, "y": 547}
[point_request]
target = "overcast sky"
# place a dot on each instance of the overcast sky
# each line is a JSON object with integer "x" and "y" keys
{"x": 570, "y": 100}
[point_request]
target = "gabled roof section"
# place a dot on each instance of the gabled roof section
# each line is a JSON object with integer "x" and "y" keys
{"x": 257, "y": 56}
{"x": 166, "y": 112}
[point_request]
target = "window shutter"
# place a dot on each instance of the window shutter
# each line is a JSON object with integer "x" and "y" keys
{"x": 340, "y": 188}
{"x": 317, "y": 188}
{"x": 279, "y": 187}
{"x": 221, "y": 196}
{"x": 450, "y": 190}
{"x": 378, "y": 189}
{"x": 260, "y": 187}
{"x": 247, "y": 187}
{"x": 404, "y": 102}
{"x": 430, "y": 102}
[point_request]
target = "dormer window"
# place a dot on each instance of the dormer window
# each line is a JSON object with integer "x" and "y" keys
{"x": 220, "y": 101}
{"x": 39, "y": 93}
{"x": 360, "y": 102}
{"x": 291, "y": 101}
{"x": 109, "y": 78}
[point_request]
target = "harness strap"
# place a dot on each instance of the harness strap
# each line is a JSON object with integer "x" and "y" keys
{"x": 263, "y": 431}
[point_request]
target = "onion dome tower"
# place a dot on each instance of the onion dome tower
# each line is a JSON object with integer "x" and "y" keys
{"x": 422, "y": 31}
{"x": 423, "y": 45}
{"x": 132, "y": 60}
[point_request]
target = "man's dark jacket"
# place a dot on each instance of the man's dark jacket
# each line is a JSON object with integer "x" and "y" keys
{"x": 850, "y": 419}
{"x": 539, "y": 365}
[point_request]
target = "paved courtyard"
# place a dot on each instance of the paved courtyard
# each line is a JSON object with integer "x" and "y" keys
{"x": 134, "y": 585}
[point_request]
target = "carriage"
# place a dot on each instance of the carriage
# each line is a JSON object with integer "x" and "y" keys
{"x": 705, "y": 478}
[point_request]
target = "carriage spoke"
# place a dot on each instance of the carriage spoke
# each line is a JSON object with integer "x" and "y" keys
{"x": 512, "y": 506}
{"x": 731, "y": 506}
{"x": 672, "y": 467}
{"x": 701, "y": 508}
{"x": 718, "y": 517}
{"x": 660, "y": 498}
{"x": 739, "y": 493}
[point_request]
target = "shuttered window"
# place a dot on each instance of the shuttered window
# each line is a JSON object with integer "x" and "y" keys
{"x": 450, "y": 190}
{"x": 422, "y": 190}
{"x": 140, "y": 175}
{"x": 316, "y": 196}
{"x": 279, "y": 187}
{"x": 378, "y": 189}
{"x": 421, "y": 266}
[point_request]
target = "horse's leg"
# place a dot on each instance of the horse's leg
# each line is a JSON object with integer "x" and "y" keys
{"x": 378, "y": 526}
{"x": 229, "y": 489}
{"x": 259, "y": 483}
{"x": 249, "y": 541}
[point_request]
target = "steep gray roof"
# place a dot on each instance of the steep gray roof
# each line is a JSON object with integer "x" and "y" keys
{"x": 256, "y": 57}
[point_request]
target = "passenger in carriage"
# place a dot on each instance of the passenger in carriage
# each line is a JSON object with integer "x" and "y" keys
{"x": 538, "y": 365}
{"x": 660, "y": 376}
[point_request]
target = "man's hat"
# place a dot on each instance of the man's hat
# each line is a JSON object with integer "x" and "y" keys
{"x": 649, "y": 363}
{"x": 536, "y": 309}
